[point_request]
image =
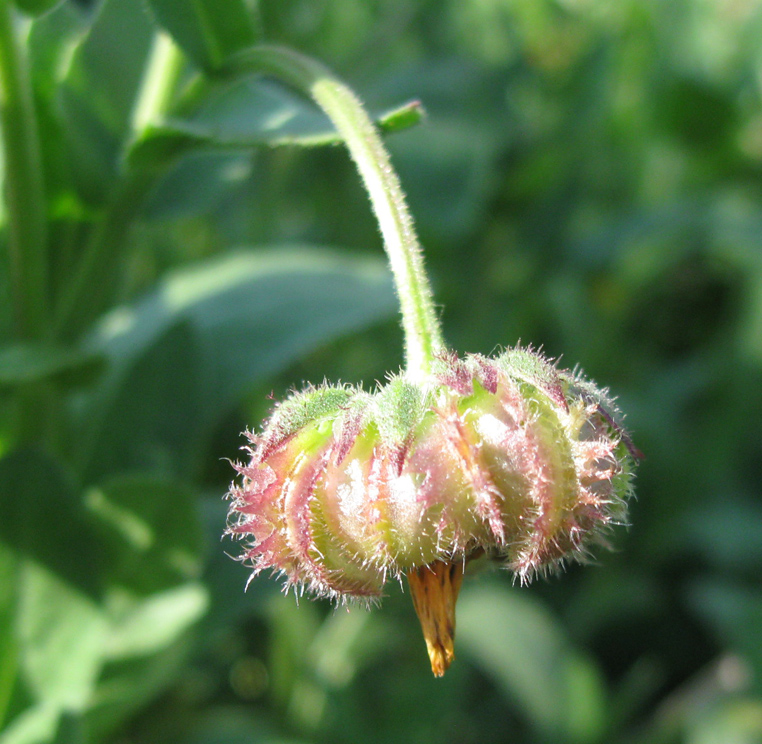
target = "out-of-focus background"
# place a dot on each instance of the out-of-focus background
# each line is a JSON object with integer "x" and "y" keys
{"x": 588, "y": 179}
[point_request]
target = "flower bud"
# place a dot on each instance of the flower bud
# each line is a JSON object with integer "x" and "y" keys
{"x": 507, "y": 456}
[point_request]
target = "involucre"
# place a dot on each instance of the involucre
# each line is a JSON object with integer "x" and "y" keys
{"x": 508, "y": 456}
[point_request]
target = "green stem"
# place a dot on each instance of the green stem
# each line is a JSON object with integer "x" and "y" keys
{"x": 9, "y": 583}
{"x": 95, "y": 284}
{"x": 24, "y": 187}
{"x": 92, "y": 290}
{"x": 423, "y": 338}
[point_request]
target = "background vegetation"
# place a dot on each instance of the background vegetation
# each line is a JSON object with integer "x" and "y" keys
{"x": 588, "y": 179}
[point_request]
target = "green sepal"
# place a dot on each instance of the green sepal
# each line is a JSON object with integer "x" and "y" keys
{"x": 527, "y": 366}
{"x": 309, "y": 406}
{"x": 399, "y": 408}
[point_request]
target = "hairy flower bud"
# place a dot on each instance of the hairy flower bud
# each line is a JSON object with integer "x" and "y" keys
{"x": 507, "y": 456}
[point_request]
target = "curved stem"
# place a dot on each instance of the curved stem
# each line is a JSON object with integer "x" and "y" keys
{"x": 25, "y": 193}
{"x": 423, "y": 338}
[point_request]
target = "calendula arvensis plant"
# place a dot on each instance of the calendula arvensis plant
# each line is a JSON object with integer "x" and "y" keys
{"x": 344, "y": 489}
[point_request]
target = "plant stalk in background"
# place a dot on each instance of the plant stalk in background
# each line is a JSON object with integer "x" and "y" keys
{"x": 25, "y": 190}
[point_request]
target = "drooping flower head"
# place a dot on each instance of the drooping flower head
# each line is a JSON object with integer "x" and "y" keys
{"x": 509, "y": 456}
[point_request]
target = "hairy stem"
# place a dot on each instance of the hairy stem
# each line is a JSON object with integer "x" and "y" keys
{"x": 24, "y": 187}
{"x": 423, "y": 338}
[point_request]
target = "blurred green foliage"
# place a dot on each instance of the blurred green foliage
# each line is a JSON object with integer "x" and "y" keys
{"x": 588, "y": 179}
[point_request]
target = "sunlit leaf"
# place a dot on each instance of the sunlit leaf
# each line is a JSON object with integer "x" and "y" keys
{"x": 518, "y": 643}
{"x": 62, "y": 636}
{"x": 52, "y": 40}
{"x": 190, "y": 349}
{"x": 129, "y": 685}
{"x": 37, "y": 724}
{"x": 736, "y": 721}
{"x": 97, "y": 95}
{"x": 147, "y": 644}
{"x": 249, "y": 111}
{"x": 139, "y": 628}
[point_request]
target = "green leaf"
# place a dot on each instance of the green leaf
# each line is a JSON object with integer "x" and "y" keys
{"x": 346, "y": 641}
{"x": 97, "y": 95}
{"x": 733, "y": 721}
{"x": 450, "y": 166}
{"x": 402, "y": 117}
{"x": 249, "y": 111}
{"x": 36, "y": 7}
{"x": 127, "y": 687}
{"x": 147, "y": 626}
{"x": 51, "y": 41}
{"x": 730, "y": 539}
{"x": 156, "y": 400}
{"x": 735, "y": 613}
{"x": 196, "y": 184}
{"x": 234, "y": 725}
{"x": 37, "y": 724}
{"x": 62, "y": 636}
{"x": 152, "y": 529}
{"x": 71, "y": 730}
{"x": 28, "y": 363}
{"x": 231, "y": 597}
{"x": 208, "y": 31}
{"x": 43, "y": 518}
{"x": 514, "y": 640}
{"x": 187, "y": 352}
{"x": 148, "y": 646}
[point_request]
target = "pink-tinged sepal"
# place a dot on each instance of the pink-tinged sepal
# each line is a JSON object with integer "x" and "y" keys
{"x": 507, "y": 456}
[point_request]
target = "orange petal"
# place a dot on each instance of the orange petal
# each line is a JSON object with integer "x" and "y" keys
{"x": 434, "y": 589}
